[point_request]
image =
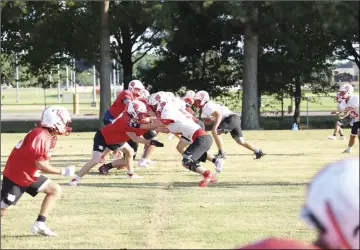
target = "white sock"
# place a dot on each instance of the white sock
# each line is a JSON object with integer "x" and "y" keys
{"x": 77, "y": 178}
{"x": 348, "y": 148}
{"x": 257, "y": 151}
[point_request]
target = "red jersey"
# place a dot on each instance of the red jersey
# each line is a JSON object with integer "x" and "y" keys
{"x": 276, "y": 243}
{"x": 119, "y": 106}
{"x": 20, "y": 166}
{"x": 115, "y": 132}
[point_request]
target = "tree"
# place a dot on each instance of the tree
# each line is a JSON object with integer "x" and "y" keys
{"x": 131, "y": 23}
{"x": 105, "y": 60}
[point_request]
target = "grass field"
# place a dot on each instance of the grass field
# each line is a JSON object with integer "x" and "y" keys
{"x": 252, "y": 199}
{"x": 33, "y": 99}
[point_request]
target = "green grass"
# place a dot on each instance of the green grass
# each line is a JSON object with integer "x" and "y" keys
{"x": 33, "y": 99}
{"x": 252, "y": 199}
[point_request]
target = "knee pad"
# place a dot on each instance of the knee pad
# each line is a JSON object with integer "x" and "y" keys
{"x": 222, "y": 131}
{"x": 192, "y": 165}
{"x": 239, "y": 139}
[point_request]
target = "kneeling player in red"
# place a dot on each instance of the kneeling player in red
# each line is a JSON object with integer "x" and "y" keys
{"x": 331, "y": 207}
{"x": 28, "y": 159}
{"x": 115, "y": 136}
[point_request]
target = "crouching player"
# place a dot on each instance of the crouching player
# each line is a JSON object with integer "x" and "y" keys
{"x": 29, "y": 159}
{"x": 331, "y": 207}
{"x": 224, "y": 121}
{"x": 200, "y": 142}
{"x": 115, "y": 135}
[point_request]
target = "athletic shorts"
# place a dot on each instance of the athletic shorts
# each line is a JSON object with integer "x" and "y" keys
{"x": 100, "y": 144}
{"x": 108, "y": 118}
{"x": 11, "y": 192}
{"x": 231, "y": 124}
{"x": 355, "y": 128}
{"x": 199, "y": 147}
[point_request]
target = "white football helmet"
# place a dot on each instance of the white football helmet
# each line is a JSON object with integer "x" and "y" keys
{"x": 332, "y": 204}
{"x": 155, "y": 98}
{"x": 58, "y": 118}
{"x": 137, "y": 109}
{"x": 346, "y": 90}
{"x": 144, "y": 93}
{"x": 201, "y": 97}
{"x": 135, "y": 86}
{"x": 190, "y": 93}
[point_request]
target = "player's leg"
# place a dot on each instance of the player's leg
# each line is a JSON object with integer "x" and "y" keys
{"x": 127, "y": 162}
{"x": 182, "y": 145}
{"x": 52, "y": 192}
{"x": 237, "y": 135}
{"x": 98, "y": 149}
{"x": 192, "y": 155}
{"x": 354, "y": 133}
{"x": 337, "y": 129}
{"x": 148, "y": 149}
{"x": 219, "y": 143}
{"x": 10, "y": 194}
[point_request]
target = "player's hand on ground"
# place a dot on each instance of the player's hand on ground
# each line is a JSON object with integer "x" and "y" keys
{"x": 156, "y": 143}
{"x": 134, "y": 176}
{"x": 68, "y": 171}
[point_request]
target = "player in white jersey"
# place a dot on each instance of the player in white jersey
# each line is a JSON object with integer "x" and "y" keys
{"x": 352, "y": 107}
{"x": 344, "y": 118}
{"x": 200, "y": 142}
{"x": 224, "y": 121}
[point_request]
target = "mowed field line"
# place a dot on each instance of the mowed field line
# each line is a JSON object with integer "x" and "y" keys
{"x": 166, "y": 209}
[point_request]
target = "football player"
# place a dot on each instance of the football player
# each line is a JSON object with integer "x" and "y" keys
{"x": 224, "y": 121}
{"x": 344, "y": 118}
{"x": 115, "y": 135}
{"x": 351, "y": 106}
{"x": 29, "y": 159}
{"x": 331, "y": 207}
{"x": 199, "y": 141}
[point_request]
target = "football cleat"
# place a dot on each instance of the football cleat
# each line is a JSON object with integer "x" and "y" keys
{"x": 208, "y": 178}
{"x": 73, "y": 182}
{"x": 104, "y": 169}
{"x": 41, "y": 228}
{"x": 342, "y": 137}
{"x": 331, "y": 137}
{"x": 259, "y": 154}
{"x": 219, "y": 163}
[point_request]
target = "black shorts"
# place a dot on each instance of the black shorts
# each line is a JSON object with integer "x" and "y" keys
{"x": 231, "y": 124}
{"x": 11, "y": 192}
{"x": 355, "y": 128}
{"x": 199, "y": 147}
{"x": 100, "y": 144}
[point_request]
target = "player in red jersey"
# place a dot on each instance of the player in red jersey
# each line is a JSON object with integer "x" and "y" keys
{"x": 151, "y": 134}
{"x": 28, "y": 159}
{"x": 115, "y": 136}
{"x": 331, "y": 207}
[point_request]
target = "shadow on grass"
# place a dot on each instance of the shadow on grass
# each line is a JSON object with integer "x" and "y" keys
{"x": 175, "y": 185}
{"x": 20, "y": 236}
{"x": 266, "y": 154}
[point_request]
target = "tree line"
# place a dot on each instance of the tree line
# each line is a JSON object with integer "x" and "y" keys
{"x": 271, "y": 48}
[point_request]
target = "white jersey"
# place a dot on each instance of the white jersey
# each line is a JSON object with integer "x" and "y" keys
{"x": 181, "y": 122}
{"x": 341, "y": 105}
{"x": 179, "y": 103}
{"x": 353, "y": 103}
{"x": 211, "y": 107}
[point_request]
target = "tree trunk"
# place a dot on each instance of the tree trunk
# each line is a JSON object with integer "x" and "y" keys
{"x": 105, "y": 60}
{"x": 126, "y": 56}
{"x": 297, "y": 103}
{"x": 250, "y": 112}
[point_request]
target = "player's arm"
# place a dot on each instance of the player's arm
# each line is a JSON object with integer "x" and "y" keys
{"x": 217, "y": 121}
{"x": 140, "y": 139}
{"x": 153, "y": 125}
{"x": 164, "y": 130}
{"x": 45, "y": 167}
